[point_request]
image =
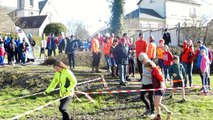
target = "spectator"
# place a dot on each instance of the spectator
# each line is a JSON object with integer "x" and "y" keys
{"x": 199, "y": 57}
{"x": 160, "y": 51}
{"x": 61, "y": 44}
{"x": 95, "y": 47}
{"x": 151, "y": 48}
{"x": 43, "y": 46}
{"x": 23, "y": 48}
{"x": 168, "y": 60}
{"x": 140, "y": 47}
{"x": 166, "y": 37}
{"x": 204, "y": 67}
{"x": 11, "y": 51}
{"x": 187, "y": 60}
{"x": 2, "y": 52}
{"x": 51, "y": 45}
{"x": 121, "y": 57}
{"x": 18, "y": 52}
{"x": 71, "y": 47}
{"x": 131, "y": 57}
{"x": 114, "y": 68}
{"x": 106, "y": 50}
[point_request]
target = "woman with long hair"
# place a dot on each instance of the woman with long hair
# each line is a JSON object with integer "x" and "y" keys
{"x": 67, "y": 82}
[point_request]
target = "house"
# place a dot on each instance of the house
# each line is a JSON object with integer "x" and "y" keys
{"x": 32, "y": 16}
{"x": 159, "y": 14}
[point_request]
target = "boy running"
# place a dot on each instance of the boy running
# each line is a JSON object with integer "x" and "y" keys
{"x": 178, "y": 74}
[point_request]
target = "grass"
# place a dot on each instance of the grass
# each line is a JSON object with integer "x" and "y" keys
{"x": 117, "y": 106}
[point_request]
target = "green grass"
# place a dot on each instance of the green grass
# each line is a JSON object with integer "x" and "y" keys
{"x": 117, "y": 106}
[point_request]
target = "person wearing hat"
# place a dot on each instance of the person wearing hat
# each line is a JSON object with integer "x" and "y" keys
{"x": 121, "y": 57}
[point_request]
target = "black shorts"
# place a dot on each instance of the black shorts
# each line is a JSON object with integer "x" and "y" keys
{"x": 159, "y": 92}
{"x": 177, "y": 84}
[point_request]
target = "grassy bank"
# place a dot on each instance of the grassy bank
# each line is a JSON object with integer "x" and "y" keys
{"x": 21, "y": 80}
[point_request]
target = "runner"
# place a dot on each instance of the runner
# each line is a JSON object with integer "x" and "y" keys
{"x": 67, "y": 82}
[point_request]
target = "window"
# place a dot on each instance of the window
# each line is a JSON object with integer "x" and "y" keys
{"x": 31, "y": 3}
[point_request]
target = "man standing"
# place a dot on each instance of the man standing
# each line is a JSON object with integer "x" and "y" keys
{"x": 121, "y": 57}
{"x": 141, "y": 47}
{"x": 166, "y": 37}
{"x": 23, "y": 48}
{"x": 71, "y": 47}
{"x": 96, "y": 53}
{"x": 51, "y": 44}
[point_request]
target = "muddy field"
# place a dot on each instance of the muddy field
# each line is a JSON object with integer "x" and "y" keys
{"x": 123, "y": 106}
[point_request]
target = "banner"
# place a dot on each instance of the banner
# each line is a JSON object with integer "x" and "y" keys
{"x": 21, "y": 34}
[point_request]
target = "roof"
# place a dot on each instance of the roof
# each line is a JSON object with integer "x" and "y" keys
{"x": 183, "y": 1}
{"x": 31, "y": 22}
{"x": 42, "y": 4}
{"x": 143, "y": 12}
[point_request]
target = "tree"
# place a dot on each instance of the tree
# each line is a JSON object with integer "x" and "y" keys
{"x": 117, "y": 18}
{"x": 81, "y": 31}
{"x": 55, "y": 28}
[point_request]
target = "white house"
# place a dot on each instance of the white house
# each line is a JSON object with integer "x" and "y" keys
{"x": 33, "y": 15}
{"x": 158, "y": 14}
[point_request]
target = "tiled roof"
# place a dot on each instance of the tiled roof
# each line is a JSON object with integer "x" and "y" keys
{"x": 140, "y": 11}
{"x": 31, "y": 22}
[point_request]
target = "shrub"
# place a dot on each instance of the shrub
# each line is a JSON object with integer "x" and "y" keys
{"x": 55, "y": 28}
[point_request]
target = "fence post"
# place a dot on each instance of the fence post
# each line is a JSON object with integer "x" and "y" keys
{"x": 178, "y": 34}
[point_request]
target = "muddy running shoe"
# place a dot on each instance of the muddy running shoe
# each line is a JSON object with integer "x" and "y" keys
{"x": 168, "y": 115}
{"x": 146, "y": 112}
{"x": 158, "y": 117}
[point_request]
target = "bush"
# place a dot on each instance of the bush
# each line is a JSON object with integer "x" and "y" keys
{"x": 55, "y": 28}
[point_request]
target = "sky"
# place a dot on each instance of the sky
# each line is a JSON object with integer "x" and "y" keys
{"x": 94, "y": 14}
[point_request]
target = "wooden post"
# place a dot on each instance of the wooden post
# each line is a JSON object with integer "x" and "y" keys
{"x": 178, "y": 34}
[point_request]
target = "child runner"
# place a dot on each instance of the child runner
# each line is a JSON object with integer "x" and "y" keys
{"x": 157, "y": 82}
{"x": 178, "y": 74}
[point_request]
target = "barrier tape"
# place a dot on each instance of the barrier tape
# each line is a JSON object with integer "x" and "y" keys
{"x": 129, "y": 91}
{"x": 84, "y": 93}
{"x": 26, "y": 96}
{"x": 37, "y": 109}
{"x": 104, "y": 82}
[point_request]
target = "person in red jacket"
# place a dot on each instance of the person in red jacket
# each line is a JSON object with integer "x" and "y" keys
{"x": 158, "y": 83}
{"x": 140, "y": 47}
{"x": 168, "y": 60}
{"x": 187, "y": 59}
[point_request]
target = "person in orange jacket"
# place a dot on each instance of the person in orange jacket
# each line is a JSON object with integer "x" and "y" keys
{"x": 187, "y": 59}
{"x": 151, "y": 48}
{"x": 106, "y": 50}
{"x": 96, "y": 53}
{"x": 160, "y": 51}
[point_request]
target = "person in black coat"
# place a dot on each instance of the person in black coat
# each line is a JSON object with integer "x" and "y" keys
{"x": 166, "y": 37}
{"x": 121, "y": 58}
{"x": 71, "y": 47}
